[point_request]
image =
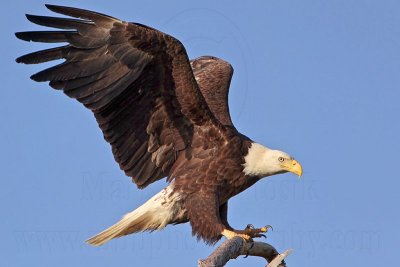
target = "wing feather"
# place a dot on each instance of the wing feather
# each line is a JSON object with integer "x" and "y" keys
{"x": 46, "y": 36}
{"x": 74, "y": 69}
{"x": 44, "y": 55}
{"x": 137, "y": 81}
{"x": 83, "y": 27}
{"x": 213, "y": 75}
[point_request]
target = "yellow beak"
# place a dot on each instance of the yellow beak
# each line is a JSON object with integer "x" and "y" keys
{"x": 293, "y": 166}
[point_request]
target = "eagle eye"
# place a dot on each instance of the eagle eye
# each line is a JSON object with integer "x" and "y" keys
{"x": 281, "y": 159}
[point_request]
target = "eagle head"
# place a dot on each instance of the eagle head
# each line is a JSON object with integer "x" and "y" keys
{"x": 262, "y": 161}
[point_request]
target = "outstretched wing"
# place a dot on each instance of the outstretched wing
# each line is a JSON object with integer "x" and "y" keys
{"x": 137, "y": 81}
{"x": 213, "y": 75}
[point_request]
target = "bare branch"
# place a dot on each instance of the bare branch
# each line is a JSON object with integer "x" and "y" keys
{"x": 233, "y": 248}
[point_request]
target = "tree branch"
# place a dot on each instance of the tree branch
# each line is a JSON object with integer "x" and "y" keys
{"x": 233, "y": 248}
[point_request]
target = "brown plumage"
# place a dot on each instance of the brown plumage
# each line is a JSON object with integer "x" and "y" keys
{"x": 163, "y": 115}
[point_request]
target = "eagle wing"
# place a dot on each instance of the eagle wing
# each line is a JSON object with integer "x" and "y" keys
{"x": 137, "y": 81}
{"x": 213, "y": 76}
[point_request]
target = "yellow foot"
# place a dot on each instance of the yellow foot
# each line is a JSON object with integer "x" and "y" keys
{"x": 248, "y": 233}
{"x": 231, "y": 234}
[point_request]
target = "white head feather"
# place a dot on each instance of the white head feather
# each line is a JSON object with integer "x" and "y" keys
{"x": 262, "y": 161}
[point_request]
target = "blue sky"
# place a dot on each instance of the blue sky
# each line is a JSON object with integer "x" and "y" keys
{"x": 318, "y": 79}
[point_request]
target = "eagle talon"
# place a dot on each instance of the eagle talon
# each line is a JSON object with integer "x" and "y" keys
{"x": 253, "y": 232}
{"x": 249, "y": 226}
{"x": 247, "y": 254}
{"x": 268, "y": 227}
{"x": 261, "y": 235}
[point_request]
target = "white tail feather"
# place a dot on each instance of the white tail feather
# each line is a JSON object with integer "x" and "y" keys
{"x": 155, "y": 214}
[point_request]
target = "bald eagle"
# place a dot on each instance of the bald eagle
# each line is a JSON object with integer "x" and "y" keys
{"x": 165, "y": 116}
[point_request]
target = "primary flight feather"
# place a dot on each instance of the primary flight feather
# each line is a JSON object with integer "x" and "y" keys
{"x": 163, "y": 115}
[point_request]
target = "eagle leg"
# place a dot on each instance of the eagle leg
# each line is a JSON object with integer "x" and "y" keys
{"x": 248, "y": 233}
{"x": 233, "y": 233}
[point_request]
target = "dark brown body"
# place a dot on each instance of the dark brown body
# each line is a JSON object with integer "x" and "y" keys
{"x": 209, "y": 177}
